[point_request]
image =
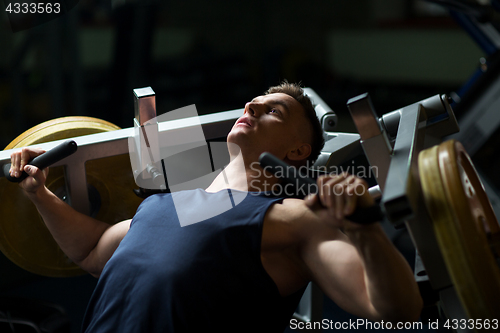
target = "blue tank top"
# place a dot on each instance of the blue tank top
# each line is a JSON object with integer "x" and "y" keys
{"x": 204, "y": 276}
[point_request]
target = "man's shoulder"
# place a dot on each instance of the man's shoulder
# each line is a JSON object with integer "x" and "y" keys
{"x": 293, "y": 217}
{"x": 289, "y": 209}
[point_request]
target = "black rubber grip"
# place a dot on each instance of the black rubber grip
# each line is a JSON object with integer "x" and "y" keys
{"x": 280, "y": 169}
{"x": 46, "y": 159}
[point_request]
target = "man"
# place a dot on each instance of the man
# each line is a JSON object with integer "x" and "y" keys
{"x": 245, "y": 269}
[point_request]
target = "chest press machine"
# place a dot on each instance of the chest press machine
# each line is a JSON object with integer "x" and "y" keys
{"x": 429, "y": 187}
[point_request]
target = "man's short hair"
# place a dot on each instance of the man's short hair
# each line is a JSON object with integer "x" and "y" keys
{"x": 294, "y": 90}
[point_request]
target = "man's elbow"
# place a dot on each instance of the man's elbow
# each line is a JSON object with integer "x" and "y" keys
{"x": 416, "y": 308}
{"x": 89, "y": 266}
{"x": 408, "y": 312}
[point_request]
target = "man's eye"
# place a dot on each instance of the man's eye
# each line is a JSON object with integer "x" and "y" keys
{"x": 275, "y": 111}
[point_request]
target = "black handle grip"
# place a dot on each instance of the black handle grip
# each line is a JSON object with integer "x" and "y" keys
{"x": 280, "y": 169}
{"x": 46, "y": 159}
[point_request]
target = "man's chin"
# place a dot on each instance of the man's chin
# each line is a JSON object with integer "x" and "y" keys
{"x": 236, "y": 136}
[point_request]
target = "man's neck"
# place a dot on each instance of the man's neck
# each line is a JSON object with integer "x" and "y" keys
{"x": 242, "y": 176}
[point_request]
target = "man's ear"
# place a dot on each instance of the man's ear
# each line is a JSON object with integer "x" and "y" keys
{"x": 300, "y": 153}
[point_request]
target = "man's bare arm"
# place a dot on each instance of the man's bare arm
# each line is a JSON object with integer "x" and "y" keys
{"x": 86, "y": 241}
{"x": 358, "y": 268}
{"x": 364, "y": 274}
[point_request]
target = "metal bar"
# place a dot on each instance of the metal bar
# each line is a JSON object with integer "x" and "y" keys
{"x": 421, "y": 231}
{"x": 101, "y": 145}
{"x": 482, "y": 119}
{"x": 403, "y": 198}
{"x": 144, "y": 104}
{"x": 396, "y": 198}
{"x": 76, "y": 187}
{"x": 310, "y": 308}
{"x": 327, "y": 118}
{"x": 422, "y": 125}
{"x": 214, "y": 126}
{"x": 373, "y": 138}
{"x": 339, "y": 148}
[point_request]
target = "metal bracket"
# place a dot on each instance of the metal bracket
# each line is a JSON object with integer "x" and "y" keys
{"x": 419, "y": 126}
{"x": 373, "y": 137}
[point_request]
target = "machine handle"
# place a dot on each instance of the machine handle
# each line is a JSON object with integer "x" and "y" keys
{"x": 46, "y": 159}
{"x": 282, "y": 170}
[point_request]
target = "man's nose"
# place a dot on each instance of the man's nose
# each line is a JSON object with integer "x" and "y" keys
{"x": 254, "y": 109}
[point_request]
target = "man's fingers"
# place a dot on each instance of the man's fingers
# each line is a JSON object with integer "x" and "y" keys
{"x": 338, "y": 194}
{"x": 11, "y": 170}
{"x": 322, "y": 180}
{"x": 325, "y": 188}
{"x": 15, "y": 160}
{"x": 21, "y": 158}
{"x": 311, "y": 200}
{"x": 31, "y": 170}
{"x": 36, "y": 178}
{"x": 330, "y": 190}
{"x": 351, "y": 198}
{"x": 25, "y": 158}
{"x": 35, "y": 172}
{"x": 326, "y": 185}
{"x": 27, "y": 154}
{"x": 350, "y": 195}
{"x": 341, "y": 194}
{"x": 45, "y": 172}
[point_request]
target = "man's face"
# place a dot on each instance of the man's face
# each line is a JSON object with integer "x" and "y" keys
{"x": 274, "y": 123}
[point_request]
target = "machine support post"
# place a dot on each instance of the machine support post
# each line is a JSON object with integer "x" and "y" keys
{"x": 374, "y": 139}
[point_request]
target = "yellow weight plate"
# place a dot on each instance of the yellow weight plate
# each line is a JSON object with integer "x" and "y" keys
{"x": 61, "y": 128}
{"x": 465, "y": 226}
{"x": 24, "y": 239}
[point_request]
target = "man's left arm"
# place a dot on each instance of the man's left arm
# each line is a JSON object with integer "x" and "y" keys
{"x": 390, "y": 282}
{"x": 359, "y": 268}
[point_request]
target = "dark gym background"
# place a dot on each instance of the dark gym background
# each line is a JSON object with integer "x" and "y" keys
{"x": 217, "y": 55}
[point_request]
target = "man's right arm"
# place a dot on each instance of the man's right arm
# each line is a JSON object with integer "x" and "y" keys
{"x": 86, "y": 241}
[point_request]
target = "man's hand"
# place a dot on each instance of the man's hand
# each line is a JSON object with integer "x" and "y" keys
{"x": 358, "y": 268}
{"x": 19, "y": 163}
{"x": 86, "y": 241}
{"x": 340, "y": 195}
